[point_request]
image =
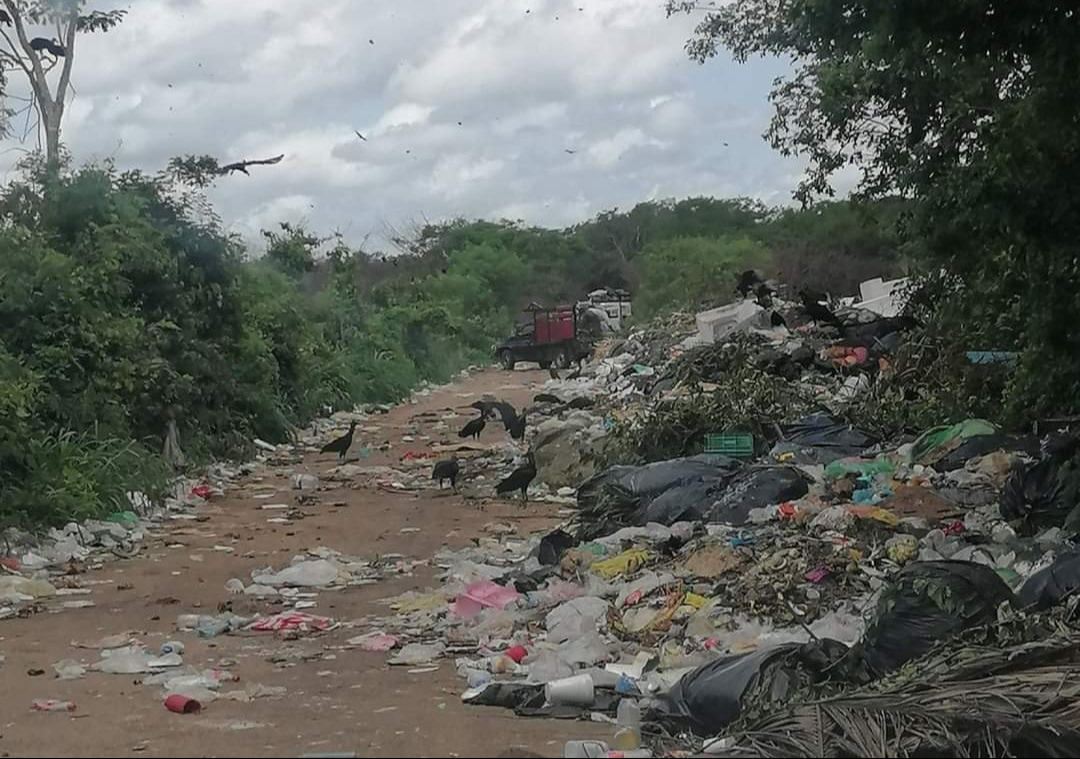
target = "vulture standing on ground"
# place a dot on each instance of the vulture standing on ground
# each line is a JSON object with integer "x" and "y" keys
{"x": 519, "y": 479}
{"x": 473, "y": 428}
{"x": 446, "y": 470}
{"x": 341, "y": 445}
{"x": 514, "y": 424}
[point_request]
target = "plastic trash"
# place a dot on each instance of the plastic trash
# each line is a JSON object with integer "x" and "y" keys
{"x": 575, "y": 618}
{"x": 757, "y": 488}
{"x": 52, "y": 705}
{"x": 1046, "y": 494}
{"x": 928, "y": 602}
{"x": 936, "y": 443}
{"x": 584, "y": 749}
{"x": 305, "y": 482}
{"x": 418, "y": 653}
{"x": 1053, "y": 584}
{"x": 311, "y": 573}
{"x": 628, "y": 720}
{"x": 181, "y": 704}
{"x": 68, "y": 669}
{"x": 570, "y": 691}
{"x": 827, "y": 438}
{"x": 843, "y": 467}
{"x": 130, "y": 660}
{"x": 481, "y": 595}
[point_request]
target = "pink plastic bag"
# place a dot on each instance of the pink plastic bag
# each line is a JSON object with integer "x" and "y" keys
{"x": 483, "y": 594}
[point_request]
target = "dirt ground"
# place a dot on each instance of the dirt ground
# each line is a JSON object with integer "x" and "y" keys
{"x": 338, "y": 698}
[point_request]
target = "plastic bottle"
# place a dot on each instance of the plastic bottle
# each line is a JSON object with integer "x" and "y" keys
{"x": 52, "y": 705}
{"x": 628, "y": 718}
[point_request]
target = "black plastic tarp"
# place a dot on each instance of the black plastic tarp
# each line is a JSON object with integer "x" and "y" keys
{"x": 642, "y": 483}
{"x": 930, "y": 601}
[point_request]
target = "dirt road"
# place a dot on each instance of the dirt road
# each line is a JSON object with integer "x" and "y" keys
{"x": 338, "y": 698}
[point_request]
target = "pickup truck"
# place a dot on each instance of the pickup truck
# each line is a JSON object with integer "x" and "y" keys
{"x": 551, "y": 339}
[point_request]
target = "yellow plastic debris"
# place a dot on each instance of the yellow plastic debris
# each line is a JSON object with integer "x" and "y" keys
{"x": 624, "y": 563}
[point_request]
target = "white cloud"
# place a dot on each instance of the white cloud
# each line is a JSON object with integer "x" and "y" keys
{"x": 470, "y": 108}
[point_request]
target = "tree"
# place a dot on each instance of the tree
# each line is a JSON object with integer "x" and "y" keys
{"x": 38, "y": 57}
{"x": 292, "y": 250}
{"x": 968, "y": 108}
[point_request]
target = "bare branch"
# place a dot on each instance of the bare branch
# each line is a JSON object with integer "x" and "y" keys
{"x": 37, "y": 77}
{"x": 14, "y": 54}
{"x": 69, "y": 58}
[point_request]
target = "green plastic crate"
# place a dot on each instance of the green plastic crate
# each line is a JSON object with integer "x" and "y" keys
{"x": 737, "y": 445}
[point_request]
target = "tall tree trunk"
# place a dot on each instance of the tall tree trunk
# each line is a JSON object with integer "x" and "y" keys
{"x": 51, "y": 115}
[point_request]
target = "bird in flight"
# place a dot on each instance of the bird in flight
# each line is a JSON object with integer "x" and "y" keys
{"x": 362, "y": 137}
{"x": 568, "y": 150}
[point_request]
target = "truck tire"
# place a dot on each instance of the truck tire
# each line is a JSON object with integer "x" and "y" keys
{"x": 506, "y": 358}
{"x": 562, "y": 359}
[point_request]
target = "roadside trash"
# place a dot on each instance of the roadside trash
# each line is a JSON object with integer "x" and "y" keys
{"x": 516, "y": 653}
{"x": 305, "y": 482}
{"x": 585, "y": 749}
{"x": 737, "y": 445}
{"x": 1046, "y": 494}
{"x": 376, "y": 641}
{"x": 934, "y": 444}
{"x": 483, "y": 595}
{"x": 628, "y": 721}
{"x": 572, "y": 691}
{"x": 292, "y": 620}
{"x": 929, "y": 602}
{"x": 52, "y": 705}
{"x": 309, "y": 573}
{"x": 1053, "y": 584}
{"x": 69, "y": 670}
{"x": 130, "y": 660}
{"x": 414, "y": 654}
{"x": 180, "y": 704}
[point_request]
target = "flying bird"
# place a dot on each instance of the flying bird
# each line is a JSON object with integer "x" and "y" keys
{"x": 519, "y": 479}
{"x": 473, "y": 428}
{"x": 568, "y": 150}
{"x": 448, "y": 469}
{"x": 362, "y": 137}
{"x": 340, "y": 446}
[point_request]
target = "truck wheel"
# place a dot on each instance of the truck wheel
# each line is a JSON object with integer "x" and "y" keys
{"x": 562, "y": 359}
{"x": 506, "y": 358}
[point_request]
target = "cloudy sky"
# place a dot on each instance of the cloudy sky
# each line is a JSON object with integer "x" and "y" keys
{"x": 470, "y": 108}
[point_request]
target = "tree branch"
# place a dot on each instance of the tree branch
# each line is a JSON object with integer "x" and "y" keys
{"x": 14, "y": 54}
{"x": 69, "y": 57}
{"x": 37, "y": 76}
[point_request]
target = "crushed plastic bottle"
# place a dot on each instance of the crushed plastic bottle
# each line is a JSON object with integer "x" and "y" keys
{"x": 628, "y": 717}
{"x": 52, "y": 705}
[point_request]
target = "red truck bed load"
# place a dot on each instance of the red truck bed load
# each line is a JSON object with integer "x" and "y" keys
{"x": 554, "y": 325}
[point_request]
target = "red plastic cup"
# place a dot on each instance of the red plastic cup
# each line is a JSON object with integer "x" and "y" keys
{"x": 181, "y": 704}
{"x": 517, "y": 653}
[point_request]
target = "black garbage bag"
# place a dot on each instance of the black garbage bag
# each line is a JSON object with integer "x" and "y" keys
{"x": 827, "y": 435}
{"x": 683, "y": 503}
{"x": 980, "y": 445}
{"x": 756, "y": 488}
{"x": 1053, "y": 584}
{"x": 930, "y": 601}
{"x": 618, "y": 496}
{"x": 553, "y": 546}
{"x": 712, "y": 696}
{"x": 1046, "y": 493}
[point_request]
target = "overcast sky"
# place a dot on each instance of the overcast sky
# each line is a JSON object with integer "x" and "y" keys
{"x": 469, "y": 108}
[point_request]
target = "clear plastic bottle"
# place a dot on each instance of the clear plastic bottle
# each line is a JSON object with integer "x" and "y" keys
{"x": 628, "y": 717}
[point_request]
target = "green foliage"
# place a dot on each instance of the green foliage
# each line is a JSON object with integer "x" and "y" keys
{"x": 123, "y": 305}
{"x": 967, "y": 109}
{"x": 692, "y": 271}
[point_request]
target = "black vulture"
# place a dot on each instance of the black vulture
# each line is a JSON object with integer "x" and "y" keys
{"x": 553, "y": 372}
{"x": 485, "y": 408}
{"x": 514, "y": 424}
{"x": 40, "y": 43}
{"x": 777, "y": 320}
{"x": 748, "y": 280}
{"x": 519, "y": 479}
{"x": 5, "y": 18}
{"x": 56, "y": 49}
{"x": 763, "y": 295}
{"x": 448, "y": 469}
{"x": 341, "y": 445}
{"x": 818, "y": 311}
{"x": 546, "y": 398}
{"x": 473, "y": 428}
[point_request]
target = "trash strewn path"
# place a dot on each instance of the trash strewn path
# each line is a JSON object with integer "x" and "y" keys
{"x": 338, "y": 697}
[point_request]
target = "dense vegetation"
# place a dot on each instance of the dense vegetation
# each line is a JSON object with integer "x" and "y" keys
{"x": 123, "y": 305}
